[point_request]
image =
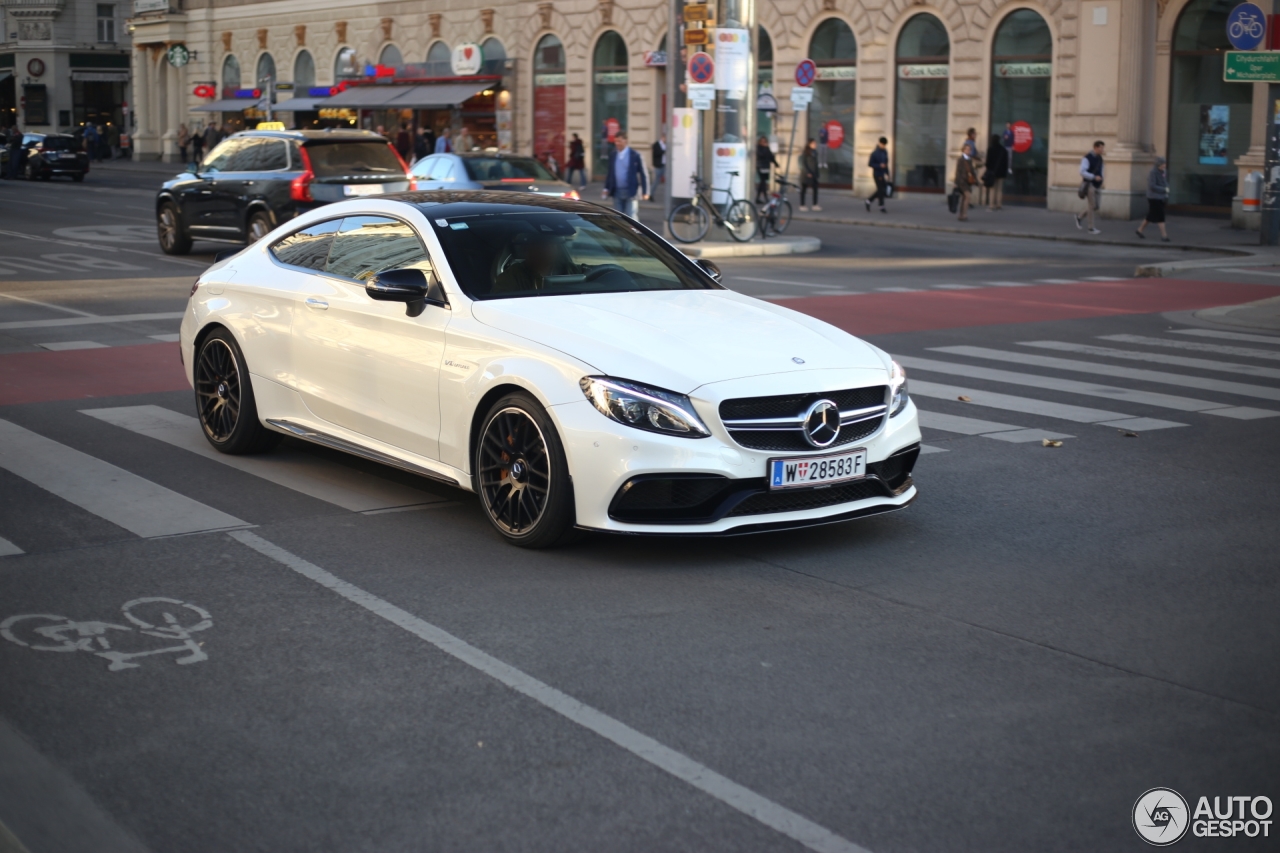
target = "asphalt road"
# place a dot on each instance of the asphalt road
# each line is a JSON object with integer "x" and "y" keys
{"x": 353, "y": 661}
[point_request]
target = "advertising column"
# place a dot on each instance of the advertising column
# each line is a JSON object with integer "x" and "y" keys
{"x": 735, "y": 81}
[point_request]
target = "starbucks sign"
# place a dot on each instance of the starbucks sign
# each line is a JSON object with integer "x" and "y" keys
{"x": 178, "y": 55}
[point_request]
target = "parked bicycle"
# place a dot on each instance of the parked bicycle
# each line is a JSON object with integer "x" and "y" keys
{"x": 690, "y": 221}
{"x": 776, "y": 214}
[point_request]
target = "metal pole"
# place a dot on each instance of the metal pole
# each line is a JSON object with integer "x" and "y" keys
{"x": 795, "y": 120}
{"x": 1269, "y": 233}
{"x": 668, "y": 120}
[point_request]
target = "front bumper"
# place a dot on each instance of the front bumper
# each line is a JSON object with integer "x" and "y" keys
{"x": 622, "y": 479}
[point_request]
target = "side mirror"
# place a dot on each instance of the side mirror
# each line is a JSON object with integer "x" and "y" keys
{"x": 710, "y": 269}
{"x": 414, "y": 287}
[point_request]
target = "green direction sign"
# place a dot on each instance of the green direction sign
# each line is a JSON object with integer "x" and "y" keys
{"x": 1251, "y": 66}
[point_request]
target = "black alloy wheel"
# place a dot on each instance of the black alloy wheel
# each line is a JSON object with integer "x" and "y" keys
{"x": 521, "y": 474}
{"x": 173, "y": 240}
{"x": 224, "y": 398}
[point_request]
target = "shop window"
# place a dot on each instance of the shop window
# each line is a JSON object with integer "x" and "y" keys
{"x": 1209, "y": 120}
{"x": 345, "y": 65}
{"x": 390, "y": 57}
{"x": 492, "y": 49}
{"x": 920, "y": 154}
{"x": 608, "y": 95}
{"x": 230, "y": 76}
{"x": 304, "y": 74}
{"x": 1021, "y": 77}
{"x": 549, "y": 101}
{"x": 106, "y": 23}
{"x": 834, "y": 50}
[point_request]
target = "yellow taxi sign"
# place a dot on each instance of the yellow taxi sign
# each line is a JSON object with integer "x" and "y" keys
{"x": 271, "y": 125}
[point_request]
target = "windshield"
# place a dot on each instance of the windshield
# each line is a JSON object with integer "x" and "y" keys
{"x": 344, "y": 159}
{"x": 506, "y": 170}
{"x": 511, "y": 253}
{"x": 59, "y": 143}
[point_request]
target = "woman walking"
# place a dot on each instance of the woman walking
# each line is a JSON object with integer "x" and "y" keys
{"x": 576, "y": 163}
{"x": 1157, "y": 198}
{"x": 997, "y": 170}
{"x": 809, "y": 173}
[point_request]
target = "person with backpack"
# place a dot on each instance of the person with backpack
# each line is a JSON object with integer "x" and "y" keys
{"x": 879, "y": 165}
{"x": 997, "y": 170}
{"x": 809, "y": 173}
{"x": 1091, "y": 166}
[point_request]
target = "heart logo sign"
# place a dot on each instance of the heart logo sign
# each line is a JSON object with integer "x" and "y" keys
{"x": 467, "y": 59}
{"x": 467, "y": 52}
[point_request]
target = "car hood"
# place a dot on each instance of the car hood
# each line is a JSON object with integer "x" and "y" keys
{"x": 679, "y": 339}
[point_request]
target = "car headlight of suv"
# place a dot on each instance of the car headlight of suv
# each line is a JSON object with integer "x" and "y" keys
{"x": 643, "y": 406}
{"x": 898, "y": 389}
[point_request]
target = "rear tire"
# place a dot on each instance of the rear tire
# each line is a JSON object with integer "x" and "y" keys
{"x": 173, "y": 238}
{"x": 781, "y": 218}
{"x": 225, "y": 404}
{"x": 78, "y": 177}
{"x": 522, "y": 475}
{"x": 688, "y": 223}
{"x": 740, "y": 220}
{"x": 259, "y": 227}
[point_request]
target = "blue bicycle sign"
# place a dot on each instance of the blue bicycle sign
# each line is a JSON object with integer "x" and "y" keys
{"x": 1246, "y": 26}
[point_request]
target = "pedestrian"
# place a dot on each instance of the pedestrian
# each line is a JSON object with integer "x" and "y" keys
{"x": 444, "y": 144}
{"x": 1006, "y": 138}
{"x": 879, "y": 165}
{"x": 404, "y": 142}
{"x": 197, "y": 149}
{"x": 822, "y": 147}
{"x": 809, "y": 173}
{"x": 1091, "y": 166}
{"x": 765, "y": 164}
{"x": 463, "y": 141}
{"x": 421, "y": 147}
{"x": 975, "y": 159}
{"x": 966, "y": 180}
{"x": 658, "y": 156}
{"x": 91, "y": 141}
{"x": 184, "y": 141}
{"x": 997, "y": 171}
{"x": 577, "y": 162}
{"x": 1157, "y": 198}
{"x": 113, "y": 140}
{"x": 626, "y": 181}
{"x": 15, "y": 153}
{"x": 971, "y": 143}
{"x": 212, "y": 136}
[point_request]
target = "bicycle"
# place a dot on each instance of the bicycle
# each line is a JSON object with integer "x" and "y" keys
{"x": 690, "y": 221}
{"x": 776, "y": 215}
{"x": 1247, "y": 24}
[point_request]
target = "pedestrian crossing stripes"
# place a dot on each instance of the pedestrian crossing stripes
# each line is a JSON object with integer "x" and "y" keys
{"x": 8, "y": 549}
{"x": 1194, "y": 346}
{"x": 1230, "y": 336}
{"x": 1026, "y": 405}
{"x": 1159, "y": 358}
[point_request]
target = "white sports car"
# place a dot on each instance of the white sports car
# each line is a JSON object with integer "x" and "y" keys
{"x": 560, "y": 360}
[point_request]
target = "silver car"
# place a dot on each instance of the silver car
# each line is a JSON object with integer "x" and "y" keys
{"x": 487, "y": 171}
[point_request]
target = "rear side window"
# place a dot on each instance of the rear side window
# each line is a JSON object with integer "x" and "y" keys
{"x": 441, "y": 169}
{"x": 520, "y": 170}
{"x": 247, "y": 156}
{"x": 367, "y": 245}
{"x": 308, "y": 248}
{"x": 353, "y": 159}
{"x": 272, "y": 156}
{"x": 219, "y": 159}
{"x": 423, "y": 167}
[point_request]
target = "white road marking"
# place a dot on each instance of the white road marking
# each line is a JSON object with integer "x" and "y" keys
{"x": 315, "y": 476}
{"x": 1057, "y": 281}
{"x": 48, "y": 305}
{"x": 1158, "y": 358}
{"x": 50, "y": 206}
{"x": 1006, "y": 284}
{"x": 1088, "y": 389}
{"x": 59, "y": 346}
{"x": 793, "y": 283}
{"x": 169, "y": 339}
{"x": 986, "y": 429}
{"x": 957, "y": 287}
{"x": 898, "y": 289}
{"x": 89, "y": 321}
{"x": 1230, "y": 336}
{"x": 8, "y": 549}
{"x": 99, "y": 247}
{"x": 1247, "y": 271}
{"x": 140, "y": 506}
{"x": 1030, "y": 406}
{"x": 1104, "y": 278}
{"x": 1194, "y": 346}
{"x": 1223, "y": 386}
{"x": 684, "y": 768}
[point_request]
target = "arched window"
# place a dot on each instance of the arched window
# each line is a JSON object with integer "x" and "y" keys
{"x": 345, "y": 65}
{"x": 920, "y": 116}
{"x": 831, "y": 115}
{"x": 1209, "y": 120}
{"x": 266, "y": 70}
{"x": 1021, "y": 74}
{"x": 304, "y": 73}
{"x": 609, "y": 94}
{"x": 492, "y": 49}
{"x": 548, "y": 100}
{"x": 439, "y": 52}
{"x": 390, "y": 57}
{"x": 230, "y": 75}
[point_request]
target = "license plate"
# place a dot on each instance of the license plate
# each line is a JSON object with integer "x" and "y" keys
{"x": 810, "y": 471}
{"x": 362, "y": 189}
{"x": 67, "y": 156}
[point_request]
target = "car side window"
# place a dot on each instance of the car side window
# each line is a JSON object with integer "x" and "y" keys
{"x": 219, "y": 158}
{"x": 422, "y": 169}
{"x": 273, "y": 156}
{"x": 247, "y": 156}
{"x": 440, "y": 171}
{"x": 308, "y": 248}
{"x": 367, "y": 245}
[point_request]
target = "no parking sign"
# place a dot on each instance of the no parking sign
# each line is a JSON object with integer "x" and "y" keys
{"x": 702, "y": 68}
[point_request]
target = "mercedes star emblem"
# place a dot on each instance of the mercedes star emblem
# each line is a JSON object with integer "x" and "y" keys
{"x": 797, "y": 359}
{"x": 822, "y": 423}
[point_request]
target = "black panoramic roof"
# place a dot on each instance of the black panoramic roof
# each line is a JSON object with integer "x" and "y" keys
{"x": 479, "y": 202}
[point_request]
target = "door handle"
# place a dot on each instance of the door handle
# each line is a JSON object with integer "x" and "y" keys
{"x": 317, "y": 303}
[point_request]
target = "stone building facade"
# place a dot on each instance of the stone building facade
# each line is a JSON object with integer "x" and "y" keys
{"x": 1137, "y": 74}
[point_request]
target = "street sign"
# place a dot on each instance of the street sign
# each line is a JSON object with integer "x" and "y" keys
{"x": 1251, "y": 66}
{"x": 695, "y": 36}
{"x": 701, "y": 95}
{"x": 702, "y": 68}
{"x": 806, "y": 72}
{"x": 698, "y": 13}
{"x": 767, "y": 103}
{"x": 801, "y": 97}
{"x": 1246, "y": 26}
{"x": 1023, "y": 137}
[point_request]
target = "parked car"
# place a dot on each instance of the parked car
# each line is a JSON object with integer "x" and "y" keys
{"x": 487, "y": 171}
{"x": 53, "y": 154}
{"x": 253, "y": 181}
{"x": 559, "y": 359}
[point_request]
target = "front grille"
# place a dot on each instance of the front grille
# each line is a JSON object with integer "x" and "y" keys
{"x": 794, "y": 406}
{"x": 802, "y": 499}
{"x": 896, "y": 470}
{"x": 671, "y": 498}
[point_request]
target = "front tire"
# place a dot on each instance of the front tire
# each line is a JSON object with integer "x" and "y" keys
{"x": 225, "y": 404}
{"x": 173, "y": 239}
{"x": 781, "y": 218}
{"x": 740, "y": 220}
{"x": 688, "y": 223}
{"x": 522, "y": 475}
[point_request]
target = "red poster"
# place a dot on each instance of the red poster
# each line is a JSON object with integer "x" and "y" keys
{"x": 1022, "y": 137}
{"x": 548, "y": 123}
{"x": 611, "y": 128}
{"x": 835, "y": 134}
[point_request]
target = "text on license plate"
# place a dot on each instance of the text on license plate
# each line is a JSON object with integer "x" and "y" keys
{"x": 817, "y": 470}
{"x": 362, "y": 189}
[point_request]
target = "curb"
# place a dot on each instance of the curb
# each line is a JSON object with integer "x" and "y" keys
{"x": 754, "y": 248}
{"x": 1162, "y": 269}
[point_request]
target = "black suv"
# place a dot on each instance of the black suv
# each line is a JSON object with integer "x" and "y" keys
{"x": 49, "y": 154}
{"x": 252, "y": 181}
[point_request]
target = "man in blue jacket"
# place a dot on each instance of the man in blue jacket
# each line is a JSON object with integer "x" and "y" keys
{"x": 626, "y": 179}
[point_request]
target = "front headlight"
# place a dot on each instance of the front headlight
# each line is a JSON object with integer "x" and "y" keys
{"x": 898, "y": 387}
{"x": 643, "y": 406}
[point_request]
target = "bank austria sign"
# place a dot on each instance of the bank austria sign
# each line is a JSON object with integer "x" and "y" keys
{"x": 923, "y": 72}
{"x": 1024, "y": 69}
